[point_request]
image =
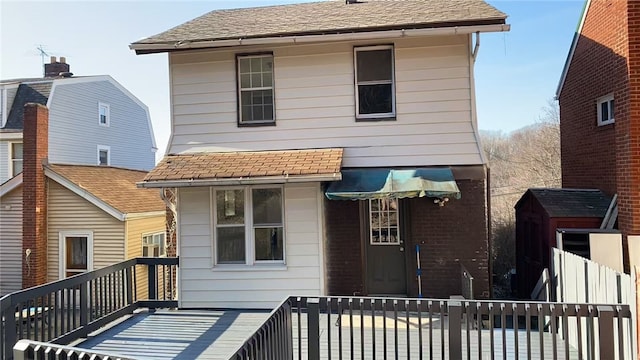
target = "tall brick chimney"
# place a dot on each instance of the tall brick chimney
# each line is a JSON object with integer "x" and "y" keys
{"x": 55, "y": 67}
{"x": 34, "y": 195}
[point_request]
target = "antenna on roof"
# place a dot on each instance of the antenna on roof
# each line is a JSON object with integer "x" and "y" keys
{"x": 43, "y": 54}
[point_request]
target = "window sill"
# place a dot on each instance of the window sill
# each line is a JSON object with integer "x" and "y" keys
{"x": 389, "y": 118}
{"x": 605, "y": 123}
{"x": 256, "y": 267}
{"x": 249, "y": 124}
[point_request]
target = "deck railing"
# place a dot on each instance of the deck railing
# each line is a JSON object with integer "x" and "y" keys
{"x": 369, "y": 328}
{"x": 63, "y": 311}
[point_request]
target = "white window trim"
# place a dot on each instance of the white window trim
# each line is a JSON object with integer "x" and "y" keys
{"x": 10, "y": 151}
{"x": 108, "y": 149}
{"x": 272, "y": 88}
{"x": 152, "y": 234}
{"x": 248, "y": 230}
{"x": 3, "y": 107}
{"x": 605, "y": 99}
{"x": 356, "y": 83}
{"x": 62, "y": 248}
{"x": 399, "y": 238}
{"x": 101, "y": 105}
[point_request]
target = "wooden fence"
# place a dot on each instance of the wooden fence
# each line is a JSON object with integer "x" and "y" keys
{"x": 577, "y": 279}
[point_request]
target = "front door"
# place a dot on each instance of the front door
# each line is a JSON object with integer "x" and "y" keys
{"x": 76, "y": 253}
{"x": 385, "y": 253}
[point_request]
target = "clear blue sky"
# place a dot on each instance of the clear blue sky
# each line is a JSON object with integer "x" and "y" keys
{"x": 516, "y": 72}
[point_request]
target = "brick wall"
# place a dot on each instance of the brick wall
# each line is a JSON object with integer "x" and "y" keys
{"x": 34, "y": 195}
{"x": 343, "y": 247}
{"x": 448, "y": 236}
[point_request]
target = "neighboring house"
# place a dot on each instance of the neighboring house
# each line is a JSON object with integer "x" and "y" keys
{"x": 93, "y": 120}
{"x": 304, "y": 139}
{"x": 599, "y": 100}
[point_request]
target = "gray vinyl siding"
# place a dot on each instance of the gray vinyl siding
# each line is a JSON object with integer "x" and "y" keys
{"x": 315, "y": 103}
{"x": 74, "y": 132}
{"x": 4, "y": 161}
{"x": 11, "y": 242}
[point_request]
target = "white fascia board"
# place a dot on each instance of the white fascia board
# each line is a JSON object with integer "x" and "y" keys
{"x": 11, "y": 135}
{"x": 242, "y": 181}
{"x": 455, "y": 30}
{"x": 10, "y": 185}
{"x": 574, "y": 44}
{"x": 73, "y": 187}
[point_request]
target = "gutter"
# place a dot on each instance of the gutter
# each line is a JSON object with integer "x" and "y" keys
{"x": 240, "y": 181}
{"x": 303, "y": 39}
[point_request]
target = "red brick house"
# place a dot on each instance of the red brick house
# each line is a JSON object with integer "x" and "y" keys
{"x": 599, "y": 97}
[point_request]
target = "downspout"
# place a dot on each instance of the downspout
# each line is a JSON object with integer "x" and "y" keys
{"x": 476, "y": 47}
{"x": 489, "y": 232}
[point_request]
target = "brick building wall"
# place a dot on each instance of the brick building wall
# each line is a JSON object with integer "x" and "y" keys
{"x": 34, "y": 195}
{"x": 448, "y": 236}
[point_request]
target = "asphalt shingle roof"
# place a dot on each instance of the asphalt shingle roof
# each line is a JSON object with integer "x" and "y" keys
{"x": 27, "y": 93}
{"x": 572, "y": 202}
{"x": 329, "y": 17}
{"x": 232, "y": 165}
{"x": 115, "y": 186}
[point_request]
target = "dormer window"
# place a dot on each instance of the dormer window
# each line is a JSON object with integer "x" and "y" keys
{"x": 375, "y": 90}
{"x": 605, "y": 110}
{"x": 104, "y": 114}
{"x": 255, "y": 89}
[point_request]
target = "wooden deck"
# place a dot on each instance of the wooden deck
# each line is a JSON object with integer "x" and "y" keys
{"x": 184, "y": 334}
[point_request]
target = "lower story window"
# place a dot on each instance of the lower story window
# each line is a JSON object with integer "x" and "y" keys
{"x": 249, "y": 226}
{"x": 383, "y": 217}
{"x": 153, "y": 245}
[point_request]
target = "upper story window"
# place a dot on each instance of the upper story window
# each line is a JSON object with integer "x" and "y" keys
{"x": 375, "y": 90}
{"x": 255, "y": 89}
{"x": 153, "y": 245}
{"x": 249, "y": 225}
{"x": 606, "y": 110}
{"x": 16, "y": 156}
{"x": 104, "y": 156}
{"x": 104, "y": 114}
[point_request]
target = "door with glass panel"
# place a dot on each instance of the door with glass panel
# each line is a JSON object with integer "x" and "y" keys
{"x": 76, "y": 254}
{"x": 385, "y": 255}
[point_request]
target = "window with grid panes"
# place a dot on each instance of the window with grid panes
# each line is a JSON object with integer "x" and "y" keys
{"x": 255, "y": 89}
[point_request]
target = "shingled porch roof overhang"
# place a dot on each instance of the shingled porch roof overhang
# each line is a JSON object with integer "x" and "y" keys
{"x": 244, "y": 168}
{"x": 326, "y": 21}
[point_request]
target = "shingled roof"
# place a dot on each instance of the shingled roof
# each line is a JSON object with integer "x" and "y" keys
{"x": 327, "y": 17}
{"x": 114, "y": 186}
{"x": 27, "y": 93}
{"x": 571, "y": 202}
{"x": 249, "y": 165}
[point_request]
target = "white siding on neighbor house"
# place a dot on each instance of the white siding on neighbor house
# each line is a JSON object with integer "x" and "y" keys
{"x": 202, "y": 286}
{"x": 4, "y": 161}
{"x": 315, "y": 104}
{"x": 74, "y": 132}
{"x": 11, "y": 242}
{"x": 67, "y": 211}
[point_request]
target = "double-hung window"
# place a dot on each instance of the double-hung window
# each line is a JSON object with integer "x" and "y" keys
{"x": 16, "y": 157}
{"x": 104, "y": 156}
{"x": 375, "y": 91}
{"x": 605, "y": 110}
{"x": 153, "y": 245}
{"x": 104, "y": 114}
{"x": 255, "y": 89}
{"x": 249, "y": 225}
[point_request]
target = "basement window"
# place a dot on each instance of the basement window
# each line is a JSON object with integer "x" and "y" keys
{"x": 606, "y": 110}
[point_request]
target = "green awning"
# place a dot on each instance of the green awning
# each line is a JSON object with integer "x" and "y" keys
{"x": 360, "y": 184}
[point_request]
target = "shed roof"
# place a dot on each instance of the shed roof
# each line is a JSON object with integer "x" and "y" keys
{"x": 329, "y": 17}
{"x": 570, "y": 202}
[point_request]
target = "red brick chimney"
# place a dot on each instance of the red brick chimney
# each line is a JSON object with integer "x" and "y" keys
{"x": 34, "y": 195}
{"x": 56, "y": 68}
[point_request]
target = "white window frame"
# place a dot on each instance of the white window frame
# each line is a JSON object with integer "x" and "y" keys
{"x": 391, "y": 114}
{"x": 248, "y": 227}
{"x": 3, "y": 106}
{"x": 397, "y": 226}
{"x": 62, "y": 248}
{"x": 107, "y": 108}
{"x": 163, "y": 247}
{"x": 11, "y": 159}
{"x": 108, "y": 150}
{"x": 240, "y": 89}
{"x": 608, "y": 99}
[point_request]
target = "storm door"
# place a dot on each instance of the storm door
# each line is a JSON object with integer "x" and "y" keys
{"x": 385, "y": 253}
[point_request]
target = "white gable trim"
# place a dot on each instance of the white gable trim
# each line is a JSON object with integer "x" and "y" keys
{"x": 73, "y": 187}
{"x": 574, "y": 44}
{"x": 11, "y": 135}
{"x": 10, "y": 185}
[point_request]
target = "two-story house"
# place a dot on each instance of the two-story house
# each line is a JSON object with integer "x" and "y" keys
{"x": 96, "y": 125}
{"x": 599, "y": 124}
{"x": 326, "y": 148}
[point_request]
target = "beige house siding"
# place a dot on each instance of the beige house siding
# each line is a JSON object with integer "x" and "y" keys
{"x": 69, "y": 212}
{"x": 136, "y": 228}
{"x": 11, "y": 242}
{"x": 315, "y": 103}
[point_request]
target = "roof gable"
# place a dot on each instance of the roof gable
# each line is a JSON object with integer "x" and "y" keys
{"x": 572, "y": 49}
{"x": 326, "y": 17}
{"x": 569, "y": 202}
